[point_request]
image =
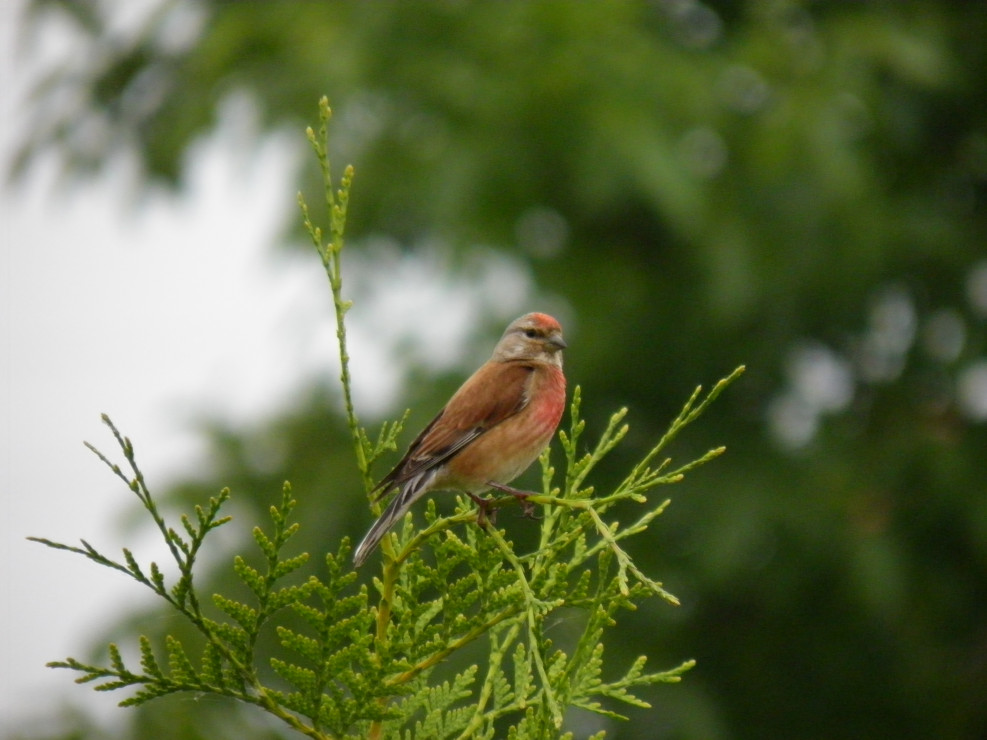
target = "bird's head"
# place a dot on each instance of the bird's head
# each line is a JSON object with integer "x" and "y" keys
{"x": 534, "y": 336}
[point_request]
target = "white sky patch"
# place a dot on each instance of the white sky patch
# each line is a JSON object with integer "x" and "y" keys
{"x": 820, "y": 382}
{"x": 972, "y": 391}
{"x": 144, "y": 317}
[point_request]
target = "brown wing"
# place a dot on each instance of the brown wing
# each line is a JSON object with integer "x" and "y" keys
{"x": 492, "y": 394}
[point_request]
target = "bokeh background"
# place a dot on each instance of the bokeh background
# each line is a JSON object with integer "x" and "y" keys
{"x": 797, "y": 186}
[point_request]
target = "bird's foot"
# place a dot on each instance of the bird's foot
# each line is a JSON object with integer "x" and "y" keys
{"x": 486, "y": 512}
{"x": 527, "y": 508}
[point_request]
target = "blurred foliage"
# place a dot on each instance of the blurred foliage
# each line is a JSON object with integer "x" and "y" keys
{"x": 798, "y": 186}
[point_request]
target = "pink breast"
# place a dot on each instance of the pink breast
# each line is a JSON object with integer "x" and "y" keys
{"x": 507, "y": 450}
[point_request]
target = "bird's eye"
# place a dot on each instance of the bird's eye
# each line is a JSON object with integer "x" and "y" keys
{"x": 530, "y": 333}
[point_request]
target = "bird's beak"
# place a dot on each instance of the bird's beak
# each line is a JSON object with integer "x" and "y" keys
{"x": 557, "y": 341}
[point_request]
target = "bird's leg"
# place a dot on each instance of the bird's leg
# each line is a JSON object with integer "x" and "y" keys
{"x": 487, "y": 513}
{"x": 527, "y": 508}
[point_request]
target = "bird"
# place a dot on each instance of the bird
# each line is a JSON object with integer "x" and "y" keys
{"x": 490, "y": 431}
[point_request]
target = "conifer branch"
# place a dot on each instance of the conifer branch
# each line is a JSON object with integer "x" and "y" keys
{"x": 351, "y": 669}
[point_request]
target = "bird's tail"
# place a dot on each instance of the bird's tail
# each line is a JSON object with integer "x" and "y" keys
{"x": 410, "y": 491}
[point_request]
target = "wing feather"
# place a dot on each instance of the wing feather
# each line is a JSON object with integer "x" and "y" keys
{"x": 494, "y": 393}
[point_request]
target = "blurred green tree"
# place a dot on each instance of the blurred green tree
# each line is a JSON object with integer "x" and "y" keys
{"x": 796, "y": 186}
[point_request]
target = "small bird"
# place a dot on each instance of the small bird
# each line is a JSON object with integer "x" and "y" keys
{"x": 489, "y": 432}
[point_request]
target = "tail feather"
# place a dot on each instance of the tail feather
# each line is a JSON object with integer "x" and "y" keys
{"x": 409, "y": 493}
